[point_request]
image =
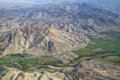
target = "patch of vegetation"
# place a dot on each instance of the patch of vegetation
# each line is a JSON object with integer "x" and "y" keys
{"x": 28, "y": 64}
{"x": 100, "y": 47}
{"x": 83, "y": 52}
{"x": 113, "y": 58}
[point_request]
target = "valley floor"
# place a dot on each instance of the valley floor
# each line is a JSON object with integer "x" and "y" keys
{"x": 100, "y": 60}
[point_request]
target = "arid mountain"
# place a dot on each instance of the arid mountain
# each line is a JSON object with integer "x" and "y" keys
{"x": 52, "y": 28}
{"x": 110, "y": 5}
{"x": 64, "y": 40}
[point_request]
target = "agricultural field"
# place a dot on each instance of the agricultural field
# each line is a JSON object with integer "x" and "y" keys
{"x": 105, "y": 48}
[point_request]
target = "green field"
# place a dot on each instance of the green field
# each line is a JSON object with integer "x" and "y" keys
{"x": 102, "y": 47}
{"x": 113, "y": 58}
{"x": 28, "y": 64}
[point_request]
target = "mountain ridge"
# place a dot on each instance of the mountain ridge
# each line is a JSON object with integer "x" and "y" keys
{"x": 46, "y": 29}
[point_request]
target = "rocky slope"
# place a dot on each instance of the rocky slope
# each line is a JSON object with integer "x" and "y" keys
{"x": 94, "y": 69}
{"x": 52, "y": 28}
{"x": 40, "y": 41}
